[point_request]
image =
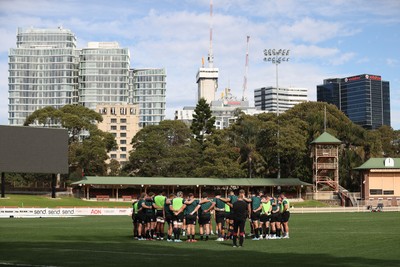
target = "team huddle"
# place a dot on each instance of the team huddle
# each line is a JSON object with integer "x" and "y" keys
{"x": 269, "y": 216}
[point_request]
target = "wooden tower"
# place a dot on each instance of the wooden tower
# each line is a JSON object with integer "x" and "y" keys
{"x": 325, "y": 153}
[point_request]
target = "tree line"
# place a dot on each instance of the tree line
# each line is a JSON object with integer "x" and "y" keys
{"x": 248, "y": 148}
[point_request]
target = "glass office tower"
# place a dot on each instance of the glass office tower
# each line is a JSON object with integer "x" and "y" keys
{"x": 148, "y": 90}
{"x": 103, "y": 74}
{"x": 43, "y": 72}
{"x": 365, "y": 98}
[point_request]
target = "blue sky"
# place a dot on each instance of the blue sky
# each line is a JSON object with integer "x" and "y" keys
{"x": 327, "y": 39}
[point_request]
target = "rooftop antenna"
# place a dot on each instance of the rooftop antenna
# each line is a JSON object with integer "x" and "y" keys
{"x": 210, "y": 50}
{"x": 246, "y": 71}
{"x": 325, "y": 120}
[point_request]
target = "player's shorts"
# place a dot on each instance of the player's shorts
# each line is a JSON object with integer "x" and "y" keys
{"x": 178, "y": 218}
{"x": 160, "y": 216}
{"x": 276, "y": 217}
{"x": 204, "y": 219}
{"x": 265, "y": 218}
{"x": 191, "y": 219}
{"x": 220, "y": 217}
{"x": 229, "y": 216}
{"x": 141, "y": 218}
{"x": 285, "y": 216}
{"x": 255, "y": 216}
{"x": 150, "y": 217}
{"x": 169, "y": 218}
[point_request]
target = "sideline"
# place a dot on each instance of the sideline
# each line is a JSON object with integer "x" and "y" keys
{"x": 66, "y": 212}
{"x": 16, "y": 212}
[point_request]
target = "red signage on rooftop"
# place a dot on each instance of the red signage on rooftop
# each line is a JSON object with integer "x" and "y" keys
{"x": 362, "y": 77}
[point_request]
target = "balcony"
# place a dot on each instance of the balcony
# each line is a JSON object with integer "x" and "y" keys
{"x": 326, "y": 153}
{"x": 327, "y": 166}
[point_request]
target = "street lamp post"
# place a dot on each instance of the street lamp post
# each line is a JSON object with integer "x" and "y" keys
{"x": 277, "y": 56}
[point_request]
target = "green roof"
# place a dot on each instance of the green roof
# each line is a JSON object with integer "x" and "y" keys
{"x": 326, "y": 138}
{"x": 174, "y": 181}
{"x": 379, "y": 163}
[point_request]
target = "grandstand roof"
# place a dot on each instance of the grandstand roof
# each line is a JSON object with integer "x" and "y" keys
{"x": 186, "y": 181}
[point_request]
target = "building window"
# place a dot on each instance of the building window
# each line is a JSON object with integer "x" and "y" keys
{"x": 375, "y": 191}
{"x": 113, "y": 120}
{"x": 123, "y": 127}
{"x": 113, "y": 156}
{"x": 122, "y": 142}
{"x": 113, "y": 127}
{"x": 123, "y": 120}
{"x": 123, "y": 156}
{"x": 123, "y": 148}
{"x": 122, "y": 135}
{"x": 388, "y": 192}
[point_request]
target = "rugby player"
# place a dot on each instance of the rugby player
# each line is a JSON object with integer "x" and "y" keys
{"x": 275, "y": 219}
{"x": 159, "y": 202}
{"x": 219, "y": 208}
{"x": 232, "y": 198}
{"x": 204, "y": 207}
{"x": 239, "y": 210}
{"x": 169, "y": 216}
{"x": 150, "y": 215}
{"x": 265, "y": 217}
{"x": 285, "y": 215}
{"x": 178, "y": 206}
{"x": 141, "y": 218}
{"x": 191, "y": 216}
{"x": 255, "y": 211}
{"x": 135, "y": 219}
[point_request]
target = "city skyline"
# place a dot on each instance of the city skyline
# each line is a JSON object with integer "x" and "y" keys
{"x": 327, "y": 40}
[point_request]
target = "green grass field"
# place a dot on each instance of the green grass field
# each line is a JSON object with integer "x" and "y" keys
{"x": 336, "y": 239}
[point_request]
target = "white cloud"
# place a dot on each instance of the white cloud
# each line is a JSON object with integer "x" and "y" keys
{"x": 343, "y": 58}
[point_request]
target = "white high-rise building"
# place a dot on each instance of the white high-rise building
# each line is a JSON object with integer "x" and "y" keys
{"x": 43, "y": 71}
{"x": 207, "y": 82}
{"x": 266, "y": 98}
{"x": 103, "y": 74}
{"x": 148, "y": 90}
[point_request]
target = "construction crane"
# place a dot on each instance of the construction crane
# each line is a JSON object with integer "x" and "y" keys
{"x": 246, "y": 71}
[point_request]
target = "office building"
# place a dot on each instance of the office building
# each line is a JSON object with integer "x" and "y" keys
{"x": 122, "y": 120}
{"x": 103, "y": 74}
{"x": 148, "y": 87}
{"x": 43, "y": 71}
{"x": 364, "y": 98}
{"x": 266, "y": 98}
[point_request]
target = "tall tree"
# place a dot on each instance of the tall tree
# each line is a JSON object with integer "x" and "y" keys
{"x": 245, "y": 135}
{"x": 203, "y": 121}
{"x": 219, "y": 158}
{"x": 167, "y": 149}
